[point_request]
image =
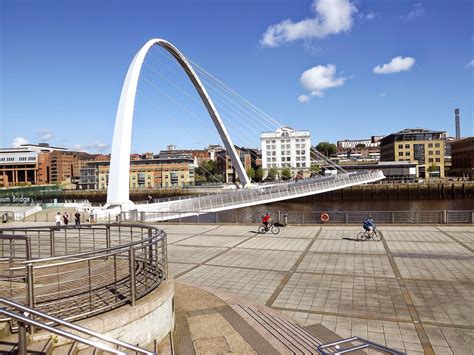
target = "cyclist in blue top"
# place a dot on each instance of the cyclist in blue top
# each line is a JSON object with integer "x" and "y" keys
{"x": 368, "y": 223}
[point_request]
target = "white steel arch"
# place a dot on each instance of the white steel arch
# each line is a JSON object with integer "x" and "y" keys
{"x": 119, "y": 174}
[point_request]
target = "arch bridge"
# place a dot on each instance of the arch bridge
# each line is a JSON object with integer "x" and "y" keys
{"x": 118, "y": 189}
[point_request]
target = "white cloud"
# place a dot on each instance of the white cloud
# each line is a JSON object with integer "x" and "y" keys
{"x": 97, "y": 147}
{"x": 18, "y": 141}
{"x": 332, "y": 16}
{"x": 303, "y": 98}
{"x": 416, "y": 11}
{"x": 470, "y": 64}
{"x": 366, "y": 16}
{"x": 396, "y": 65}
{"x": 319, "y": 78}
{"x": 45, "y": 135}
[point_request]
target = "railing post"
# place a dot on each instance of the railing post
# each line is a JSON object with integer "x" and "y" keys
{"x": 445, "y": 217}
{"x": 28, "y": 248}
{"x": 393, "y": 217}
{"x": 52, "y": 247}
{"x": 347, "y": 218}
{"x": 131, "y": 258}
{"x": 22, "y": 340}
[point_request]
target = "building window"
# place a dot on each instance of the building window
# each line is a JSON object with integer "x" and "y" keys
{"x": 400, "y": 154}
{"x": 430, "y": 160}
{"x": 430, "y": 145}
{"x": 400, "y": 146}
{"x": 437, "y": 152}
{"x": 407, "y": 154}
{"x": 437, "y": 145}
{"x": 407, "y": 146}
{"x": 430, "y": 152}
{"x": 438, "y": 160}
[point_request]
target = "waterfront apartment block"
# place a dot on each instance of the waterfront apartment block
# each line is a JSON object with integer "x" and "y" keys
{"x": 144, "y": 173}
{"x": 462, "y": 158}
{"x": 286, "y": 148}
{"x": 422, "y": 146}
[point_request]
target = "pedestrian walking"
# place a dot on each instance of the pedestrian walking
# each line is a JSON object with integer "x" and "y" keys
{"x": 57, "y": 219}
{"x": 65, "y": 219}
{"x": 77, "y": 219}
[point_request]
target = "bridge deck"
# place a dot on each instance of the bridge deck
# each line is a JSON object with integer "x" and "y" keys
{"x": 262, "y": 194}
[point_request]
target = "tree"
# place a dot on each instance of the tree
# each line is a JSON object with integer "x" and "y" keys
{"x": 314, "y": 169}
{"x": 206, "y": 171}
{"x": 286, "y": 174}
{"x": 326, "y": 148}
{"x": 272, "y": 174}
{"x": 251, "y": 173}
{"x": 259, "y": 174}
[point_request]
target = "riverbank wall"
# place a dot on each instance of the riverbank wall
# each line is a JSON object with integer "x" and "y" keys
{"x": 409, "y": 191}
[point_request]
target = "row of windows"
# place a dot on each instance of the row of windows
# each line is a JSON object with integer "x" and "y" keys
{"x": 407, "y": 153}
{"x": 430, "y": 145}
{"x": 297, "y": 140}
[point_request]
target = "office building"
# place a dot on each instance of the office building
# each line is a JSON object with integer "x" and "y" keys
{"x": 462, "y": 158}
{"x": 286, "y": 148}
{"x": 423, "y": 146}
{"x": 144, "y": 173}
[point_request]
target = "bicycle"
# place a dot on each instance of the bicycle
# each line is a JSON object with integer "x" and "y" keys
{"x": 372, "y": 234}
{"x": 271, "y": 228}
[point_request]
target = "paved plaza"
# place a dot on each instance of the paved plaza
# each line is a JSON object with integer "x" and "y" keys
{"x": 412, "y": 291}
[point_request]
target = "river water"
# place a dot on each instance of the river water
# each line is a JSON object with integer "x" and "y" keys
{"x": 307, "y": 207}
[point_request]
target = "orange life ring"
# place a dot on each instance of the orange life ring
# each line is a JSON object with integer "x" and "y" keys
{"x": 324, "y": 217}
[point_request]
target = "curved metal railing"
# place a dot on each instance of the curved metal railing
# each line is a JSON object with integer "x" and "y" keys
{"x": 74, "y": 273}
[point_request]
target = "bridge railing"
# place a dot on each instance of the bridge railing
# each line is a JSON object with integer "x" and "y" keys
{"x": 74, "y": 273}
{"x": 269, "y": 193}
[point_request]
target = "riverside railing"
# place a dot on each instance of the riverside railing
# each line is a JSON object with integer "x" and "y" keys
{"x": 74, "y": 273}
{"x": 307, "y": 217}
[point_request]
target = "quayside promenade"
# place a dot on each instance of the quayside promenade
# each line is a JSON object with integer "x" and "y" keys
{"x": 412, "y": 291}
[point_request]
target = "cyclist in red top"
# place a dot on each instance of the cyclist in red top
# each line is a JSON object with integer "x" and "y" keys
{"x": 266, "y": 220}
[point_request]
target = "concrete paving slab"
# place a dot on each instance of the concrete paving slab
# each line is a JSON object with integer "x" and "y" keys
{"x": 275, "y": 260}
{"x": 265, "y": 242}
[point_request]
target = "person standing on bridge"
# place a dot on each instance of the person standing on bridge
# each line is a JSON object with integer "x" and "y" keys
{"x": 77, "y": 219}
{"x": 57, "y": 219}
{"x": 65, "y": 219}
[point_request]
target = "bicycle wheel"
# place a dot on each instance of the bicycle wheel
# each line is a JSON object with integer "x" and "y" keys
{"x": 361, "y": 236}
{"x": 262, "y": 230}
{"x": 275, "y": 229}
{"x": 376, "y": 236}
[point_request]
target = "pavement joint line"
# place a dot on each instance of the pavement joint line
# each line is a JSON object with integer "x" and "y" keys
{"x": 420, "y": 330}
{"x": 215, "y": 256}
{"x": 454, "y": 239}
{"x": 194, "y": 235}
{"x": 290, "y": 273}
{"x": 345, "y": 315}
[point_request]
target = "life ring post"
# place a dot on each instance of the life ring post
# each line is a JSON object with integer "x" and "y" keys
{"x": 324, "y": 217}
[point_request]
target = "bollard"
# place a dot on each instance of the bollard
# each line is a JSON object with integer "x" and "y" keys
{"x": 285, "y": 219}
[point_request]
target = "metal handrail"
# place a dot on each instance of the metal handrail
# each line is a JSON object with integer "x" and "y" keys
{"x": 68, "y": 325}
{"x": 80, "y": 255}
{"x": 366, "y": 344}
{"x": 120, "y": 265}
{"x": 32, "y": 322}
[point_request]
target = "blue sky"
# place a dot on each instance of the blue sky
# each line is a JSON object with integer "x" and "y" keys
{"x": 340, "y": 68}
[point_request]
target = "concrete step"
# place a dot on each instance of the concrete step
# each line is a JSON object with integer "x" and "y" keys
{"x": 292, "y": 336}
